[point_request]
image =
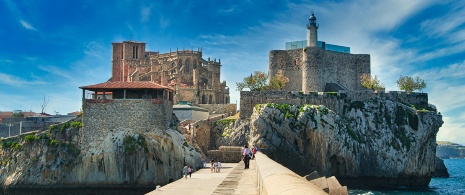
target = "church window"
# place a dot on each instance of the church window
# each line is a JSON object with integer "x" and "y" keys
{"x": 180, "y": 65}
{"x": 135, "y": 51}
{"x": 210, "y": 99}
{"x": 173, "y": 68}
{"x": 187, "y": 66}
{"x": 204, "y": 101}
{"x": 195, "y": 65}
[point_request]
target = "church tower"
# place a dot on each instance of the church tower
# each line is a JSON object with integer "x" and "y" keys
{"x": 312, "y": 34}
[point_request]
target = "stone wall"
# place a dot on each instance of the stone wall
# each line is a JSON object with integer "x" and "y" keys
{"x": 334, "y": 101}
{"x": 219, "y": 108}
{"x": 309, "y": 69}
{"x": 226, "y": 154}
{"x": 102, "y": 116}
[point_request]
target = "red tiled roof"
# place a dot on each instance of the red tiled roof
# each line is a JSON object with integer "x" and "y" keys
{"x": 125, "y": 85}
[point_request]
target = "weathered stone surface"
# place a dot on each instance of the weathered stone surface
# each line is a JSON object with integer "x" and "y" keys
{"x": 321, "y": 183}
{"x": 120, "y": 157}
{"x": 377, "y": 142}
{"x": 440, "y": 169}
{"x": 339, "y": 191}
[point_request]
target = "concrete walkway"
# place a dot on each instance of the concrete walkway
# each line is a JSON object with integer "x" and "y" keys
{"x": 232, "y": 179}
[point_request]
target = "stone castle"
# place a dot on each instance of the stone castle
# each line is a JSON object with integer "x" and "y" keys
{"x": 316, "y": 69}
{"x": 194, "y": 79}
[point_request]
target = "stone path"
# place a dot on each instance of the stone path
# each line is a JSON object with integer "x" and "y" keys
{"x": 233, "y": 179}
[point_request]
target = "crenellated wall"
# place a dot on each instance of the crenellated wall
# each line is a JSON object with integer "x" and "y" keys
{"x": 334, "y": 101}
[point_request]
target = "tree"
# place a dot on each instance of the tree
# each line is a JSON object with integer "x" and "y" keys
{"x": 371, "y": 82}
{"x": 257, "y": 81}
{"x": 278, "y": 81}
{"x": 44, "y": 105}
{"x": 18, "y": 114}
{"x": 409, "y": 84}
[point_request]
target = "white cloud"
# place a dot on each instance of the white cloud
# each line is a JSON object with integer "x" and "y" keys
{"x": 55, "y": 70}
{"x": 27, "y": 25}
{"x": 16, "y": 81}
{"x": 145, "y": 13}
{"x": 452, "y": 131}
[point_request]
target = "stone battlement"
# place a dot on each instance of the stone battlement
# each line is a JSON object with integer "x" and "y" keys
{"x": 337, "y": 102}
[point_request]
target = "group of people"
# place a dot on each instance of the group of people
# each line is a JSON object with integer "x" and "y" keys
{"x": 187, "y": 171}
{"x": 248, "y": 154}
{"x": 215, "y": 166}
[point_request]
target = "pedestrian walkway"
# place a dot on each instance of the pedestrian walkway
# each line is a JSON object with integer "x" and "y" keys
{"x": 232, "y": 179}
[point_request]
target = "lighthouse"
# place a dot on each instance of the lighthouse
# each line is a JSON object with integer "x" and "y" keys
{"x": 312, "y": 34}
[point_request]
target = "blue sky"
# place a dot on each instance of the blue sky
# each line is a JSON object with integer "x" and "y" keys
{"x": 49, "y": 48}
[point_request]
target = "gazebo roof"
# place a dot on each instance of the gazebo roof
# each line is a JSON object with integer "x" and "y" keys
{"x": 125, "y": 85}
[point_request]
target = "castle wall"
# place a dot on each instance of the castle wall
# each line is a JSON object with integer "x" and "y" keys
{"x": 334, "y": 101}
{"x": 289, "y": 62}
{"x": 309, "y": 69}
{"x": 219, "y": 108}
{"x": 102, "y": 116}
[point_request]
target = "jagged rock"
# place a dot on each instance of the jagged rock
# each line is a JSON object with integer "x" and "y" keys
{"x": 440, "y": 169}
{"x": 375, "y": 143}
{"x": 321, "y": 183}
{"x": 59, "y": 158}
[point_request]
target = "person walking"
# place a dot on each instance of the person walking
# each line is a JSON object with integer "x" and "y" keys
{"x": 185, "y": 171}
{"x": 190, "y": 171}
{"x": 246, "y": 156}
{"x": 211, "y": 165}
{"x": 218, "y": 166}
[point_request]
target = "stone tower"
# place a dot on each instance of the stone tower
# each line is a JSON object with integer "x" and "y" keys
{"x": 126, "y": 55}
{"x": 312, "y": 34}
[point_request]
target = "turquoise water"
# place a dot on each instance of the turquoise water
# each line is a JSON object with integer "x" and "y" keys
{"x": 455, "y": 184}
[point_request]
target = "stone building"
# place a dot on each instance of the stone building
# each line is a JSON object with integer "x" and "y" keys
{"x": 316, "y": 69}
{"x": 194, "y": 79}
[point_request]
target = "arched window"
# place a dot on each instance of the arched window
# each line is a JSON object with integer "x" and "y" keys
{"x": 204, "y": 101}
{"x": 210, "y": 99}
{"x": 179, "y": 64}
{"x": 195, "y": 65}
{"x": 187, "y": 66}
{"x": 173, "y": 68}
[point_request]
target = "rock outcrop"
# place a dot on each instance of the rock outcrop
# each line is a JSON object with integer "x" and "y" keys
{"x": 440, "y": 169}
{"x": 122, "y": 157}
{"x": 375, "y": 143}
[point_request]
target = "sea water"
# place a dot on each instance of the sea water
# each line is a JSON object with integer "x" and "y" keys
{"x": 455, "y": 184}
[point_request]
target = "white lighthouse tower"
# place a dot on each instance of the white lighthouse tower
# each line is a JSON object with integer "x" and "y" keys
{"x": 312, "y": 34}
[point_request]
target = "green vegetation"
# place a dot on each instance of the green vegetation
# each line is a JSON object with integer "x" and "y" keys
{"x": 52, "y": 127}
{"x": 64, "y": 126}
{"x": 408, "y": 84}
{"x": 278, "y": 82}
{"x": 17, "y": 115}
{"x": 11, "y": 144}
{"x": 76, "y": 124}
{"x": 31, "y": 137}
{"x": 53, "y": 142}
{"x": 257, "y": 81}
{"x": 225, "y": 122}
{"x": 371, "y": 82}
{"x": 130, "y": 143}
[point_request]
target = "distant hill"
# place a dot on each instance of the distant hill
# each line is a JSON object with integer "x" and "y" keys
{"x": 446, "y": 149}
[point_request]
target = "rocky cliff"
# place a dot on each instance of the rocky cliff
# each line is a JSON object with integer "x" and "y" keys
{"x": 124, "y": 157}
{"x": 375, "y": 143}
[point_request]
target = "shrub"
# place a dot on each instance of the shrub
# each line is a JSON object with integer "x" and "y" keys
{"x": 53, "y": 142}
{"x": 64, "y": 126}
{"x": 30, "y": 137}
{"x": 52, "y": 127}
{"x": 76, "y": 124}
